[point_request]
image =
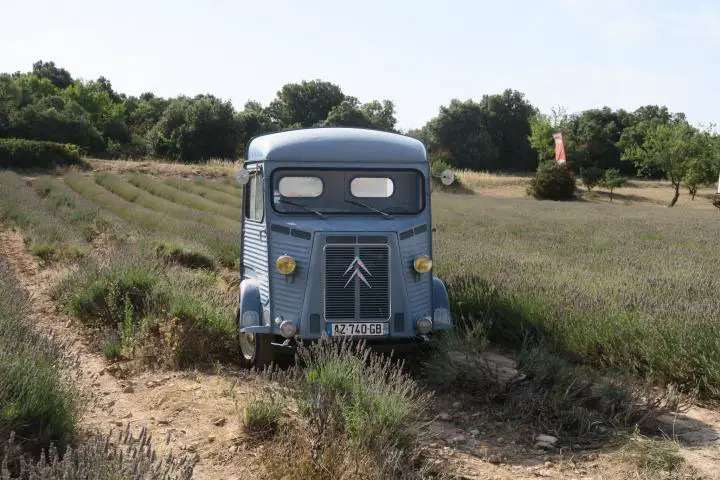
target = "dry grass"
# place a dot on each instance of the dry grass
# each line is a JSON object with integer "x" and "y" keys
{"x": 652, "y": 458}
{"x": 183, "y": 197}
{"x": 223, "y": 195}
{"x": 478, "y": 179}
{"x": 119, "y": 186}
{"x": 222, "y": 243}
{"x": 212, "y": 169}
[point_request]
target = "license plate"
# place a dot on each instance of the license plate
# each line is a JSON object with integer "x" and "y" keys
{"x": 363, "y": 329}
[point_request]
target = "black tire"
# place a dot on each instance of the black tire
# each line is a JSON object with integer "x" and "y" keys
{"x": 256, "y": 350}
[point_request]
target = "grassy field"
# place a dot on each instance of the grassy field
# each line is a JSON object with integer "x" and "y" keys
{"x": 150, "y": 258}
{"x": 627, "y": 285}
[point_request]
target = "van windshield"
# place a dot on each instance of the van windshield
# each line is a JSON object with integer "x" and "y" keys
{"x": 367, "y": 191}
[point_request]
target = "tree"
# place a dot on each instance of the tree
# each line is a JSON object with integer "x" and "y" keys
{"x": 460, "y": 129}
{"x": 595, "y": 134}
{"x": 347, "y": 114}
{"x": 591, "y": 176}
{"x": 638, "y": 124}
{"x": 305, "y": 103}
{"x": 703, "y": 169}
{"x": 507, "y": 121}
{"x": 612, "y": 180}
{"x": 540, "y": 138}
{"x": 58, "y": 76}
{"x": 381, "y": 115}
{"x": 195, "y": 130}
{"x": 671, "y": 148}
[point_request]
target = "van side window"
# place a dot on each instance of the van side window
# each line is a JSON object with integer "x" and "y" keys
{"x": 255, "y": 198}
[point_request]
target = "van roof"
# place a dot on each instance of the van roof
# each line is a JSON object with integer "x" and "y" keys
{"x": 336, "y": 145}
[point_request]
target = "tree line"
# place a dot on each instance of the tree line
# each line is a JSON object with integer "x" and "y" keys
{"x": 498, "y": 132}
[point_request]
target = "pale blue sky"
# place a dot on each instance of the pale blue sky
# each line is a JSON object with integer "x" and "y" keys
{"x": 420, "y": 54}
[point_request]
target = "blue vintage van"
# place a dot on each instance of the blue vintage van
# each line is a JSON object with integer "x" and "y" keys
{"x": 336, "y": 239}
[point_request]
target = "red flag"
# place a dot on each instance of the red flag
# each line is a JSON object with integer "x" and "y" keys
{"x": 559, "y": 148}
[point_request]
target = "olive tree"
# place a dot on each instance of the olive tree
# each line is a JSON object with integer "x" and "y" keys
{"x": 671, "y": 148}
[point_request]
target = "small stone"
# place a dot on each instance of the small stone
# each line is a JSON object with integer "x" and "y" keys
{"x": 457, "y": 404}
{"x": 128, "y": 389}
{"x": 543, "y": 446}
{"x": 128, "y": 415}
{"x": 119, "y": 423}
{"x": 151, "y": 384}
{"x": 445, "y": 417}
{"x": 458, "y": 439}
{"x": 547, "y": 439}
{"x": 163, "y": 421}
{"x": 111, "y": 403}
{"x": 232, "y": 449}
{"x": 219, "y": 422}
{"x": 495, "y": 459}
{"x": 192, "y": 447}
{"x": 101, "y": 372}
{"x": 548, "y": 464}
{"x": 474, "y": 432}
{"x": 211, "y": 439}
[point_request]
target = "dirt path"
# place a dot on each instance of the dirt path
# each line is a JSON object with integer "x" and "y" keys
{"x": 196, "y": 412}
{"x": 188, "y": 412}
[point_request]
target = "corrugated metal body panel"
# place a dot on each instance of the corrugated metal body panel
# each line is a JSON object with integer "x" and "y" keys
{"x": 255, "y": 254}
{"x": 337, "y": 145}
{"x": 289, "y": 294}
{"x": 419, "y": 292}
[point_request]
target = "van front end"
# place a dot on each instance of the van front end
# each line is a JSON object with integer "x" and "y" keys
{"x": 377, "y": 286}
{"x": 337, "y": 241}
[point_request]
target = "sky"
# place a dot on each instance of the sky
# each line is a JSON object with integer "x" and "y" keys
{"x": 420, "y": 54}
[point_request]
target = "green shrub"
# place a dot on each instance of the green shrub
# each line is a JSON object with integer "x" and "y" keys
{"x": 175, "y": 253}
{"x": 612, "y": 180}
{"x": 261, "y": 416}
{"x": 360, "y": 410}
{"x": 17, "y": 153}
{"x": 162, "y": 314}
{"x": 103, "y": 296}
{"x": 591, "y": 176}
{"x": 36, "y": 401}
{"x": 553, "y": 181}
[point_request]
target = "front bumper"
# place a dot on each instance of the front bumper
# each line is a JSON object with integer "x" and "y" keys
{"x": 384, "y": 345}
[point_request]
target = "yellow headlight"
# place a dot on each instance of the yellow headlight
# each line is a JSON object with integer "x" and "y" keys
{"x": 285, "y": 264}
{"x": 422, "y": 264}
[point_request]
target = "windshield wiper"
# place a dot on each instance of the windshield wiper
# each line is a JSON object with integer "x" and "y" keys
{"x": 307, "y": 209}
{"x": 384, "y": 214}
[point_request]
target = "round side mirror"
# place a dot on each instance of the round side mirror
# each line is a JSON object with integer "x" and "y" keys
{"x": 242, "y": 176}
{"x": 447, "y": 177}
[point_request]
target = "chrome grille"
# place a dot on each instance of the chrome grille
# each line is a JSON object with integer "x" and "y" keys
{"x": 347, "y": 295}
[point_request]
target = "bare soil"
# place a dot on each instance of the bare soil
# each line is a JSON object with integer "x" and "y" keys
{"x": 197, "y": 412}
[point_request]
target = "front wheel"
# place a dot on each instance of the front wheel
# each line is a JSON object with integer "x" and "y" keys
{"x": 256, "y": 350}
